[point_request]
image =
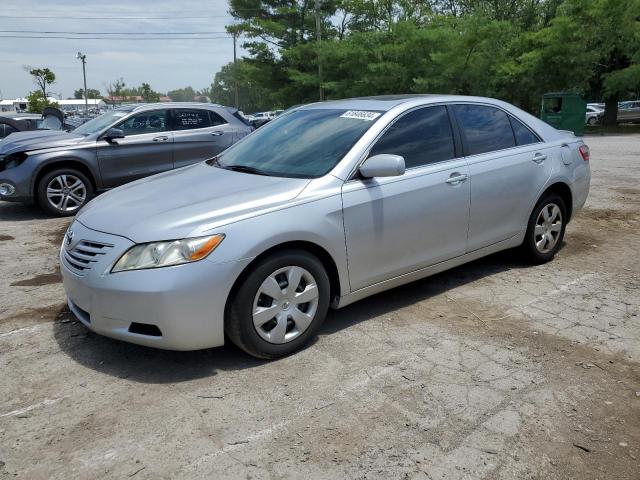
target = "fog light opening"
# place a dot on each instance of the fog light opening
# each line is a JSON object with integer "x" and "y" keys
{"x": 145, "y": 329}
{"x": 6, "y": 189}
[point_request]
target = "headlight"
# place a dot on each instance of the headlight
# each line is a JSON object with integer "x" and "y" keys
{"x": 12, "y": 161}
{"x": 164, "y": 254}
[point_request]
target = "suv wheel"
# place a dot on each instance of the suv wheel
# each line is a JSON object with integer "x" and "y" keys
{"x": 63, "y": 192}
{"x": 545, "y": 229}
{"x": 280, "y": 305}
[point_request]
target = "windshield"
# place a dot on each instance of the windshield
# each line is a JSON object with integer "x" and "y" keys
{"x": 303, "y": 143}
{"x": 100, "y": 123}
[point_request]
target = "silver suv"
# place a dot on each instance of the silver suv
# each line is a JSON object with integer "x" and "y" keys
{"x": 61, "y": 171}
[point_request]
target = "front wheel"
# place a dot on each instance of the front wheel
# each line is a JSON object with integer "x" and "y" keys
{"x": 63, "y": 192}
{"x": 280, "y": 305}
{"x": 545, "y": 229}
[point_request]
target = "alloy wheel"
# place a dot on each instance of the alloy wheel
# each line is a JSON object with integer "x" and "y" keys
{"x": 66, "y": 192}
{"x": 548, "y": 228}
{"x": 285, "y": 304}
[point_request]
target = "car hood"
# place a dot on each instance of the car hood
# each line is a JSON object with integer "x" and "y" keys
{"x": 38, "y": 139}
{"x": 186, "y": 202}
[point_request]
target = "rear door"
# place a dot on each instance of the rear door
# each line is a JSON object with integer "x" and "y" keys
{"x": 147, "y": 149}
{"x": 508, "y": 166}
{"x": 199, "y": 134}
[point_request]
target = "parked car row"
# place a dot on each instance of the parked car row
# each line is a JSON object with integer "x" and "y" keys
{"x": 628, "y": 112}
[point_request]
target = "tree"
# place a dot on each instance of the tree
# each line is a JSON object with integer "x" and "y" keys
{"x": 91, "y": 93}
{"x": 37, "y": 102}
{"x": 186, "y": 94}
{"x": 147, "y": 93}
{"x": 114, "y": 89}
{"x": 42, "y": 77}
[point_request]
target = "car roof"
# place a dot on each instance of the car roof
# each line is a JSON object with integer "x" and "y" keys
{"x": 387, "y": 102}
{"x": 149, "y": 106}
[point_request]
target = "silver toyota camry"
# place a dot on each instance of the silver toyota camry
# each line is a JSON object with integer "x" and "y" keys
{"x": 327, "y": 204}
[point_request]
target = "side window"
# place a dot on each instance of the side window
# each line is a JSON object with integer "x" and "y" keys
{"x": 422, "y": 137}
{"x": 188, "y": 119}
{"x": 523, "y": 135}
{"x": 145, "y": 122}
{"x": 486, "y": 129}
{"x": 216, "y": 119}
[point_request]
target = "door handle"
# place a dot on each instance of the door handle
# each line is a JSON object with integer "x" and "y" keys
{"x": 539, "y": 158}
{"x": 160, "y": 139}
{"x": 217, "y": 133}
{"x": 456, "y": 178}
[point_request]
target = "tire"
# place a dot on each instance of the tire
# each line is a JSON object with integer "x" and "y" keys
{"x": 592, "y": 121}
{"x": 282, "y": 325}
{"x": 74, "y": 189}
{"x": 545, "y": 231}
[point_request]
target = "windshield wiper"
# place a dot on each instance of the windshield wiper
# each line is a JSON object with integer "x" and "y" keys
{"x": 237, "y": 168}
{"x": 245, "y": 169}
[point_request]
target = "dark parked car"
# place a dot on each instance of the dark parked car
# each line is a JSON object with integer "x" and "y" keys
{"x": 61, "y": 171}
{"x": 51, "y": 119}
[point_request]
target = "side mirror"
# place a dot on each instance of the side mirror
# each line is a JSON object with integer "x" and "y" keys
{"x": 383, "y": 165}
{"x": 113, "y": 133}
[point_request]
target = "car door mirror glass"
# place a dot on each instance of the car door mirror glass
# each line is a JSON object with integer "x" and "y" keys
{"x": 113, "y": 133}
{"x": 383, "y": 165}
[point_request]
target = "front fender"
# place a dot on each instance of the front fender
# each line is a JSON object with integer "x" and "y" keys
{"x": 83, "y": 158}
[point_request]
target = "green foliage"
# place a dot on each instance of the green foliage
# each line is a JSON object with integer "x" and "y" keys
{"x": 510, "y": 49}
{"x": 42, "y": 77}
{"x": 37, "y": 102}
{"x": 148, "y": 94}
{"x": 187, "y": 94}
{"x": 91, "y": 93}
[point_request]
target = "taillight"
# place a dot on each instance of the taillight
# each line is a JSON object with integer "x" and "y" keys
{"x": 584, "y": 152}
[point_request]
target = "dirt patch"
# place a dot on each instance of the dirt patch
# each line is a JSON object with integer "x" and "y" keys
{"x": 40, "y": 314}
{"x": 579, "y": 242}
{"x": 55, "y": 237}
{"x": 609, "y": 215}
{"x": 4, "y": 238}
{"x": 39, "y": 280}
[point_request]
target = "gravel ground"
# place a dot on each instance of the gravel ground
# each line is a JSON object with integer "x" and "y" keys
{"x": 491, "y": 370}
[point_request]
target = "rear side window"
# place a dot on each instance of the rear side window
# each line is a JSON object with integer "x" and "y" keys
{"x": 523, "y": 135}
{"x": 422, "y": 137}
{"x": 216, "y": 119}
{"x": 188, "y": 119}
{"x": 486, "y": 129}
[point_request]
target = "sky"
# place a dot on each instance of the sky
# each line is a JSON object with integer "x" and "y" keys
{"x": 165, "y": 64}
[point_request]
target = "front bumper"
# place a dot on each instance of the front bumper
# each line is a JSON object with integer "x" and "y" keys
{"x": 186, "y": 302}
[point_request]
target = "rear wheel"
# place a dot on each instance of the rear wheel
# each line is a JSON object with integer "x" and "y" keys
{"x": 63, "y": 192}
{"x": 545, "y": 229}
{"x": 280, "y": 305}
{"x": 592, "y": 121}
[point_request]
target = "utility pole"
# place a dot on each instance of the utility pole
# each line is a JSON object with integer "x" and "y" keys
{"x": 319, "y": 42}
{"x": 235, "y": 71}
{"x": 82, "y": 57}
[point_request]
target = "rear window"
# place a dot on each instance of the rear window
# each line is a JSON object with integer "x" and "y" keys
{"x": 523, "y": 135}
{"x": 486, "y": 129}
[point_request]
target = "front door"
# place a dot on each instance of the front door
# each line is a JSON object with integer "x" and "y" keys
{"x": 147, "y": 149}
{"x": 396, "y": 225}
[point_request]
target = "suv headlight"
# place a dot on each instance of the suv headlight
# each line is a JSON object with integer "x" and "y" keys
{"x": 164, "y": 254}
{"x": 12, "y": 160}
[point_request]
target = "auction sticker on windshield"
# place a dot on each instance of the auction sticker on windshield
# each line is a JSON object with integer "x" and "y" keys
{"x": 361, "y": 115}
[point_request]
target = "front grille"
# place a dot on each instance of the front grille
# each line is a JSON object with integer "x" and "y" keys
{"x": 81, "y": 258}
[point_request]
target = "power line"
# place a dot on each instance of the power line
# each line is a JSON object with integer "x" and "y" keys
{"x": 111, "y": 33}
{"x": 118, "y": 38}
